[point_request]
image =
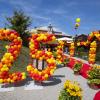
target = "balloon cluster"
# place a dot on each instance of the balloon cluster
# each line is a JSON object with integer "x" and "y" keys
{"x": 59, "y": 52}
{"x": 72, "y": 49}
{"x": 92, "y": 52}
{"x": 77, "y": 24}
{"x": 35, "y": 53}
{"x": 12, "y": 53}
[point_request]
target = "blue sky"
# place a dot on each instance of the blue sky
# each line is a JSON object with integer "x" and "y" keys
{"x": 60, "y": 13}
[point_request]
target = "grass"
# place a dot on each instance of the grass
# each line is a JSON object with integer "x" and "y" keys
{"x": 22, "y": 60}
{"x": 85, "y": 56}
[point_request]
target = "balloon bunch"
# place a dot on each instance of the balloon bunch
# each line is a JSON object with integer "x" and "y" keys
{"x": 35, "y": 53}
{"x": 92, "y": 52}
{"x": 13, "y": 50}
{"x": 77, "y": 24}
{"x": 59, "y": 52}
{"x": 72, "y": 49}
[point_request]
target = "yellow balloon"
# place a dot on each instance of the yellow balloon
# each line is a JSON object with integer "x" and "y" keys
{"x": 77, "y": 25}
{"x": 46, "y": 75}
{"x": 78, "y": 20}
{"x": 1, "y": 80}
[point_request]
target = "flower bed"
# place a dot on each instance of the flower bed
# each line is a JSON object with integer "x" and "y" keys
{"x": 84, "y": 68}
{"x": 92, "y": 73}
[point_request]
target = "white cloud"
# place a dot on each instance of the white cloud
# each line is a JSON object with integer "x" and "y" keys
{"x": 36, "y": 16}
{"x": 29, "y": 7}
{"x": 23, "y": 4}
{"x": 59, "y": 11}
{"x": 54, "y": 12}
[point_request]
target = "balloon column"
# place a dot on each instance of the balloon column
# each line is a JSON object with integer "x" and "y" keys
{"x": 13, "y": 50}
{"x": 59, "y": 52}
{"x": 92, "y": 52}
{"x": 72, "y": 49}
{"x": 77, "y": 24}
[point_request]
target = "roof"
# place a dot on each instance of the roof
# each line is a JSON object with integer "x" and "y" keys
{"x": 46, "y": 28}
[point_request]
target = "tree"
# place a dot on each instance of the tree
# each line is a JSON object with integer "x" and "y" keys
{"x": 20, "y": 23}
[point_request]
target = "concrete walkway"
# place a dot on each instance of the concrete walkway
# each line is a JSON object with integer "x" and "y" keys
{"x": 51, "y": 88}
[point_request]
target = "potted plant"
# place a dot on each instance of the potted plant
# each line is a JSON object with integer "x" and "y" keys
{"x": 94, "y": 76}
{"x": 71, "y": 91}
{"x": 66, "y": 61}
{"x": 77, "y": 67}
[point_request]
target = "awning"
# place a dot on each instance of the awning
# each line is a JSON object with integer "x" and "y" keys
{"x": 68, "y": 40}
{"x": 65, "y": 39}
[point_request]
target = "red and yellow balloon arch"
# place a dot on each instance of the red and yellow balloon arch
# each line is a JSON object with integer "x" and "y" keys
{"x": 93, "y": 46}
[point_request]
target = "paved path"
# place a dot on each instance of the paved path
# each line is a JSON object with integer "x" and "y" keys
{"x": 51, "y": 89}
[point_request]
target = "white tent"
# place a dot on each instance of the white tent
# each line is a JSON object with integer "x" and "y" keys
{"x": 68, "y": 40}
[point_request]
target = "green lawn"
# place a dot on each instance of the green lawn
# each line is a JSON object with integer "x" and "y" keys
{"x": 22, "y": 60}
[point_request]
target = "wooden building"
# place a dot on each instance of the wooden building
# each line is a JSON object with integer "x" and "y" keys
{"x": 50, "y": 29}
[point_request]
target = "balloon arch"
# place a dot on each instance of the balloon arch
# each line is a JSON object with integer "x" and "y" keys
{"x": 91, "y": 42}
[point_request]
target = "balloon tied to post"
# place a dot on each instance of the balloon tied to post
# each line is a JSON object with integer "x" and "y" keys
{"x": 77, "y": 23}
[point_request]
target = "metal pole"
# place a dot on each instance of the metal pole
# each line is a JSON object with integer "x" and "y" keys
{"x": 37, "y": 63}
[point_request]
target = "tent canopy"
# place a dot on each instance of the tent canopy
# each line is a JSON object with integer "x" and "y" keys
{"x": 65, "y": 39}
{"x": 68, "y": 40}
